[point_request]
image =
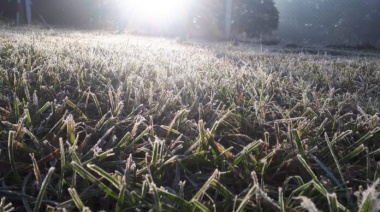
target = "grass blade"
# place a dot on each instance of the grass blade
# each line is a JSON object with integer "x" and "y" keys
{"x": 329, "y": 144}
{"x": 311, "y": 173}
{"x": 351, "y": 154}
{"x": 178, "y": 200}
{"x": 200, "y": 206}
{"x": 222, "y": 189}
{"x": 297, "y": 140}
{"x": 317, "y": 184}
{"x": 248, "y": 196}
{"x": 156, "y": 196}
{"x": 44, "y": 185}
{"x": 124, "y": 140}
{"x": 281, "y": 199}
{"x": 70, "y": 124}
{"x": 36, "y": 171}
{"x": 205, "y": 186}
{"x": 246, "y": 150}
{"x": 11, "y": 148}
{"x": 76, "y": 108}
{"x": 139, "y": 137}
{"x": 44, "y": 108}
{"x": 369, "y": 201}
{"x": 333, "y": 202}
{"x": 63, "y": 167}
{"x": 104, "y": 174}
{"x": 74, "y": 195}
{"x": 121, "y": 198}
{"x": 86, "y": 175}
{"x": 363, "y": 139}
{"x": 97, "y": 104}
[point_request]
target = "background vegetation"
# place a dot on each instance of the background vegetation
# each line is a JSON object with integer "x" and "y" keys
{"x": 254, "y": 17}
{"x": 348, "y": 22}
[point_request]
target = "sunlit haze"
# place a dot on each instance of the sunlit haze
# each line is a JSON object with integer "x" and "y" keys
{"x": 158, "y": 11}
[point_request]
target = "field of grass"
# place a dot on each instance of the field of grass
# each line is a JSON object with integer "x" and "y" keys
{"x": 113, "y": 122}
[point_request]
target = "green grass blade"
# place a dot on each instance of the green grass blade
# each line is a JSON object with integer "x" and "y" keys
{"x": 97, "y": 104}
{"x": 351, "y": 155}
{"x": 317, "y": 184}
{"x": 74, "y": 195}
{"x": 333, "y": 202}
{"x": 44, "y": 186}
{"x": 70, "y": 124}
{"x": 101, "y": 156}
{"x": 138, "y": 137}
{"x": 86, "y": 175}
{"x": 16, "y": 107}
{"x": 11, "y": 148}
{"x": 329, "y": 144}
{"x": 118, "y": 109}
{"x": 36, "y": 171}
{"x": 311, "y": 173}
{"x": 281, "y": 202}
{"x": 101, "y": 141}
{"x": 104, "y": 174}
{"x": 299, "y": 145}
{"x": 156, "y": 196}
{"x": 76, "y": 108}
{"x": 247, "y": 197}
{"x": 173, "y": 197}
{"x": 205, "y": 186}
{"x": 363, "y": 139}
{"x": 299, "y": 190}
{"x": 121, "y": 198}
{"x": 28, "y": 118}
{"x": 179, "y": 115}
{"x": 222, "y": 189}
{"x": 44, "y": 108}
{"x": 63, "y": 167}
{"x": 246, "y": 150}
{"x": 326, "y": 150}
{"x": 124, "y": 140}
{"x": 370, "y": 198}
{"x": 200, "y": 206}
{"x": 156, "y": 150}
{"x": 100, "y": 123}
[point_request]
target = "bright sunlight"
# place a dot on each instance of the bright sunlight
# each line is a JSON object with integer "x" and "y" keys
{"x": 158, "y": 11}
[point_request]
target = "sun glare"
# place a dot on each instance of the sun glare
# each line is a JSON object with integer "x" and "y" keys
{"x": 158, "y": 10}
{"x": 165, "y": 8}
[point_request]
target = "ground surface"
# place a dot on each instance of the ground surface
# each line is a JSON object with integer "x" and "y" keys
{"x": 144, "y": 123}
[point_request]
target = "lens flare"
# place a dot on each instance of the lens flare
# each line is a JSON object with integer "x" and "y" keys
{"x": 160, "y": 17}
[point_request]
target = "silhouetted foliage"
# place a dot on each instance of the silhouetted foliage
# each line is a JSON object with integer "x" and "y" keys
{"x": 73, "y": 13}
{"x": 337, "y": 21}
{"x": 255, "y": 17}
{"x": 8, "y": 9}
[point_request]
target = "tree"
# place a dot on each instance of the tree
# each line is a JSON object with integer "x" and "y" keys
{"x": 18, "y": 8}
{"x": 255, "y": 17}
{"x": 348, "y": 22}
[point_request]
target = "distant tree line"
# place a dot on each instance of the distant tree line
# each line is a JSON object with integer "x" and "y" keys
{"x": 8, "y": 9}
{"x": 253, "y": 17}
{"x": 74, "y": 13}
{"x": 334, "y": 21}
{"x": 67, "y": 13}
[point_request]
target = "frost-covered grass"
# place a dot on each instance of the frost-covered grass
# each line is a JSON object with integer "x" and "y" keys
{"x": 99, "y": 121}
